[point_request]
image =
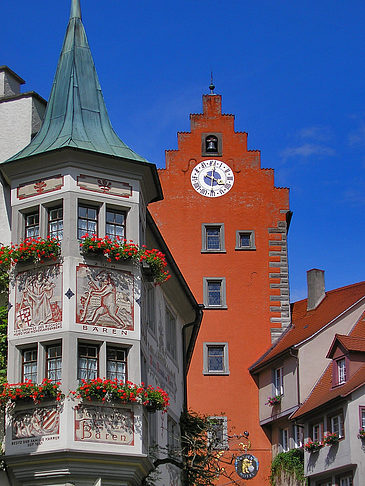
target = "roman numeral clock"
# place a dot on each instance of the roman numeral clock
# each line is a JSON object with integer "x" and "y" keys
{"x": 212, "y": 178}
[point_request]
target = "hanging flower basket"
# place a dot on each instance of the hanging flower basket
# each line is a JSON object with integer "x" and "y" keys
{"x": 116, "y": 391}
{"x": 30, "y": 392}
{"x": 361, "y": 434}
{"x": 331, "y": 438}
{"x": 31, "y": 250}
{"x": 313, "y": 446}
{"x": 120, "y": 250}
{"x": 275, "y": 400}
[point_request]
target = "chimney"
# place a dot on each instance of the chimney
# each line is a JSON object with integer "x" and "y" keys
{"x": 9, "y": 82}
{"x": 316, "y": 289}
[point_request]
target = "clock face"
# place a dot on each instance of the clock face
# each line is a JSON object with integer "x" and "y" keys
{"x": 212, "y": 178}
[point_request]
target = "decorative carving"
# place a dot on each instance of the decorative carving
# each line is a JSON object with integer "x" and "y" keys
{"x": 104, "y": 424}
{"x": 36, "y": 423}
{"x": 40, "y": 186}
{"x": 105, "y": 186}
{"x": 104, "y": 297}
{"x": 38, "y": 304}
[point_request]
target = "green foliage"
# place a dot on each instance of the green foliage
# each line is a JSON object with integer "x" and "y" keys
{"x": 291, "y": 463}
{"x": 3, "y": 341}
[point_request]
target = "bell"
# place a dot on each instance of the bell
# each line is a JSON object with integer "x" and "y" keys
{"x": 212, "y": 145}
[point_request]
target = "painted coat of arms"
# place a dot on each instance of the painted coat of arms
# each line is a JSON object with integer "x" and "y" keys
{"x": 38, "y": 304}
{"x": 36, "y": 423}
{"x": 104, "y": 297}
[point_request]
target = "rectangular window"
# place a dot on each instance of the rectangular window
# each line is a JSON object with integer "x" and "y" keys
{"x": 87, "y": 362}
{"x": 29, "y": 369}
{"x": 215, "y": 357}
{"x": 325, "y": 482}
{"x": 298, "y": 436}
{"x": 213, "y": 238}
{"x": 170, "y": 333}
{"x": 54, "y": 363}
{"x": 284, "y": 440}
{"x": 335, "y": 424}
{"x": 362, "y": 417}
{"x": 317, "y": 431}
{"x": 279, "y": 381}
{"x": 32, "y": 224}
{"x": 55, "y": 223}
{"x": 116, "y": 364}
{"x": 150, "y": 308}
{"x": 217, "y": 433}
{"x": 341, "y": 371}
{"x": 115, "y": 224}
{"x": 214, "y": 293}
{"x": 172, "y": 434}
{"x": 345, "y": 480}
{"x": 245, "y": 240}
{"x": 87, "y": 221}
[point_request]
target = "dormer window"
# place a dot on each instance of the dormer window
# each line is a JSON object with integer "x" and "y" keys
{"x": 341, "y": 371}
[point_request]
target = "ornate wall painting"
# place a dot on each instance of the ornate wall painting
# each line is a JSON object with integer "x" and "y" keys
{"x": 36, "y": 422}
{"x": 40, "y": 186}
{"x": 104, "y": 186}
{"x": 104, "y": 424}
{"x": 38, "y": 300}
{"x": 104, "y": 297}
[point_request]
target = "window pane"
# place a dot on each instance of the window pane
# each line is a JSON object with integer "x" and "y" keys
{"x": 214, "y": 293}
{"x": 32, "y": 225}
{"x": 115, "y": 226}
{"x": 245, "y": 239}
{"x": 213, "y": 238}
{"x": 87, "y": 221}
{"x": 55, "y": 226}
{"x": 215, "y": 358}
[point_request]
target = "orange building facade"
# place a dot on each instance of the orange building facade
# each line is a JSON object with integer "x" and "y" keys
{"x": 226, "y": 225}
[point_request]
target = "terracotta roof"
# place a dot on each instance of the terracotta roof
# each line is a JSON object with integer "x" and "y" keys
{"x": 323, "y": 391}
{"x": 306, "y": 323}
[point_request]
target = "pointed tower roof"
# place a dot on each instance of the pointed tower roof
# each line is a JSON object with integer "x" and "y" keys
{"x": 76, "y": 115}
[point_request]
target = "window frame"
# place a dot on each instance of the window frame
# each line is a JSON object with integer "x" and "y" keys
{"x": 150, "y": 308}
{"x": 284, "y": 439}
{"x": 87, "y": 205}
{"x": 224, "y": 429}
{"x": 89, "y": 345}
{"x": 223, "y": 297}
{"x": 34, "y": 211}
{"x": 341, "y": 371}
{"x": 172, "y": 426}
{"x": 48, "y": 359}
{"x": 313, "y": 426}
{"x": 298, "y": 436}
{"x": 251, "y": 246}
{"x": 225, "y": 367}
{"x": 348, "y": 477}
{"x": 171, "y": 337}
{"x": 109, "y": 347}
{"x": 53, "y": 208}
{"x": 338, "y": 414}
{"x": 23, "y": 351}
{"x": 362, "y": 417}
{"x": 113, "y": 209}
{"x": 204, "y": 228}
{"x": 278, "y": 385}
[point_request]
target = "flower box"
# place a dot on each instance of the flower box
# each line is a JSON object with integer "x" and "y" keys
{"x": 273, "y": 401}
{"x": 29, "y": 392}
{"x": 361, "y": 434}
{"x": 153, "y": 262}
{"x": 31, "y": 250}
{"x": 313, "y": 446}
{"x": 117, "y": 391}
{"x": 331, "y": 438}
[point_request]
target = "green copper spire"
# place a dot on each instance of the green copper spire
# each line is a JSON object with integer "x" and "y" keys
{"x": 76, "y": 115}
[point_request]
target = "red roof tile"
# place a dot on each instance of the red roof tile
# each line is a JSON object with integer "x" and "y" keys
{"x": 323, "y": 391}
{"x": 306, "y": 323}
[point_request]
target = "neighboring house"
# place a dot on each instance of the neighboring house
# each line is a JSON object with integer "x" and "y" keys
{"x": 337, "y": 406}
{"x": 85, "y": 316}
{"x": 292, "y": 366}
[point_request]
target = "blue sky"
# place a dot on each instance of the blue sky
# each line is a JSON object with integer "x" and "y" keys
{"x": 291, "y": 71}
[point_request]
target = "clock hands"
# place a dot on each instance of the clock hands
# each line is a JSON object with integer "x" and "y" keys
{"x": 218, "y": 181}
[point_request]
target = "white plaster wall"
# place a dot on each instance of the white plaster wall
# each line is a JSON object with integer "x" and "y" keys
{"x": 357, "y": 445}
{"x": 312, "y": 355}
{"x": 15, "y": 126}
{"x": 5, "y": 214}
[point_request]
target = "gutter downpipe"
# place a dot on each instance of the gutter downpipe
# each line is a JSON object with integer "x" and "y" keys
{"x": 196, "y": 324}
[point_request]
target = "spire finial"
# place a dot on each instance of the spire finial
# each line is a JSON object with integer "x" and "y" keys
{"x": 75, "y": 9}
{"x": 211, "y": 86}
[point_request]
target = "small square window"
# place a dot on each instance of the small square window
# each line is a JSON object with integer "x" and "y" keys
{"x": 245, "y": 240}
{"x": 218, "y": 433}
{"x": 213, "y": 238}
{"x": 214, "y": 293}
{"x": 115, "y": 224}
{"x": 87, "y": 221}
{"x": 32, "y": 224}
{"x": 215, "y": 357}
